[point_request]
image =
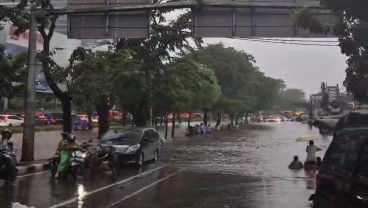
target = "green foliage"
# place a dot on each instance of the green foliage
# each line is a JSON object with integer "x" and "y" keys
{"x": 291, "y": 98}
{"x": 187, "y": 86}
{"x": 96, "y": 75}
{"x": 306, "y": 20}
{"x": 12, "y": 73}
{"x": 243, "y": 87}
{"x": 352, "y": 31}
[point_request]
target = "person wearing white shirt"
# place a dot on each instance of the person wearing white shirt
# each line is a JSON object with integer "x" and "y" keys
{"x": 311, "y": 154}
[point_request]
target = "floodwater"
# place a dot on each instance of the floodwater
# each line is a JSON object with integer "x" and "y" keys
{"x": 244, "y": 168}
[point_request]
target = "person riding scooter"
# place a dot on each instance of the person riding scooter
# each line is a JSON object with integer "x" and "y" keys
{"x": 66, "y": 146}
{"x": 8, "y": 169}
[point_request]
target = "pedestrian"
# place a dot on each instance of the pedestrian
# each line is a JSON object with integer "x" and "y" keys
{"x": 296, "y": 164}
{"x": 201, "y": 128}
{"x": 311, "y": 150}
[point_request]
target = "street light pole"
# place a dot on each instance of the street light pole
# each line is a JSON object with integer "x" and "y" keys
{"x": 28, "y": 129}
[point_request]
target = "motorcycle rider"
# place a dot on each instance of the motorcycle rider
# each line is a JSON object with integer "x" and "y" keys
{"x": 66, "y": 146}
{"x": 6, "y": 135}
{"x": 8, "y": 147}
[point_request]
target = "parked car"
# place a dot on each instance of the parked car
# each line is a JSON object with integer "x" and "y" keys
{"x": 11, "y": 120}
{"x": 94, "y": 118}
{"x": 273, "y": 119}
{"x": 80, "y": 122}
{"x": 342, "y": 180}
{"x": 54, "y": 118}
{"x": 133, "y": 144}
{"x": 39, "y": 119}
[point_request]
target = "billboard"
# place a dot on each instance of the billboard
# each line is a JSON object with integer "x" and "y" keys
{"x": 16, "y": 43}
{"x": 108, "y": 25}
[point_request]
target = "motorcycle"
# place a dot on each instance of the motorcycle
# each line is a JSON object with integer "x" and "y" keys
{"x": 101, "y": 158}
{"x": 8, "y": 170}
{"x": 76, "y": 163}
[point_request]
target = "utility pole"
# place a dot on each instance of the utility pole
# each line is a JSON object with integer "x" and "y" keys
{"x": 28, "y": 129}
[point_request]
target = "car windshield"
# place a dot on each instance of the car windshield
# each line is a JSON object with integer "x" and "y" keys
{"x": 121, "y": 137}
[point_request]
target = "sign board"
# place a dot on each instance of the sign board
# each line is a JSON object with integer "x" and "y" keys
{"x": 257, "y": 21}
{"x": 109, "y": 25}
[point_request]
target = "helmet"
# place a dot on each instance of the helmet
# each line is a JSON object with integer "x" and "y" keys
{"x": 7, "y": 131}
{"x": 68, "y": 136}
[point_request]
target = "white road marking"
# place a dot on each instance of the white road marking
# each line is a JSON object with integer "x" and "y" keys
{"x": 108, "y": 186}
{"x": 144, "y": 188}
{"x": 32, "y": 174}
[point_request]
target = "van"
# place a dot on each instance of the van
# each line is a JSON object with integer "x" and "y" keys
{"x": 342, "y": 180}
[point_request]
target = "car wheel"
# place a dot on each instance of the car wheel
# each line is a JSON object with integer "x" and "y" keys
{"x": 140, "y": 160}
{"x": 156, "y": 156}
{"x": 10, "y": 125}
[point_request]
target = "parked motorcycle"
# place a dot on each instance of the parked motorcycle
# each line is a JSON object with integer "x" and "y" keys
{"x": 101, "y": 158}
{"x": 8, "y": 170}
{"x": 76, "y": 163}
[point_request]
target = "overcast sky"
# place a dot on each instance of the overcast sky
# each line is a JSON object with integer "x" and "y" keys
{"x": 303, "y": 67}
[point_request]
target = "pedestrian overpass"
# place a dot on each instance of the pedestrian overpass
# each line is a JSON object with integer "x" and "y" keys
{"x": 210, "y": 18}
{"x": 256, "y": 18}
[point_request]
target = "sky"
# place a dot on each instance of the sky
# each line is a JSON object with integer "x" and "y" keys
{"x": 302, "y": 67}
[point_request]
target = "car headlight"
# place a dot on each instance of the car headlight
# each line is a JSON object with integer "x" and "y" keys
{"x": 132, "y": 148}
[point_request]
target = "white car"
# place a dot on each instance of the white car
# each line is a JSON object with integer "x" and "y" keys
{"x": 273, "y": 119}
{"x": 11, "y": 120}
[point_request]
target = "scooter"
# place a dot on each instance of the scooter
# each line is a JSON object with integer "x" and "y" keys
{"x": 8, "y": 171}
{"x": 76, "y": 163}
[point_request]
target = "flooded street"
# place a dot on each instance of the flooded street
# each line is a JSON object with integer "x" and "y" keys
{"x": 244, "y": 168}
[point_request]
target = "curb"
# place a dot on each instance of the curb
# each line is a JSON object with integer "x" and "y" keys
{"x": 38, "y": 167}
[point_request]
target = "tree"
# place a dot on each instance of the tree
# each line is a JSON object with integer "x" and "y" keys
{"x": 168, "y": 41}
{"x": 96, "y": 79}
{"x": 186, "y": 86}
{"x": 290, "y": 98}
{"x": 352, "y": 32}
{"x": 238, "y": 77}
{"x": 12, "y": 73}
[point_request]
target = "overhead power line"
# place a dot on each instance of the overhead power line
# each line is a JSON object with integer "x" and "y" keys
{"x": 286, "y": 42}
{"x": 298, "y": 40}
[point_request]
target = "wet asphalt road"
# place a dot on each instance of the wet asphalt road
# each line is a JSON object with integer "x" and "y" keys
{"x": 245, "y": 168}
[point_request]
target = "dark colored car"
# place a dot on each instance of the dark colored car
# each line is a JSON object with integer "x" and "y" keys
{"x": 54, "y": 118}
{"x": 342, "y": 180}
{"x": 133, "y": 144}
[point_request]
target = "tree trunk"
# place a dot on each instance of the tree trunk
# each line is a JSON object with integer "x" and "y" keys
{"x": 103, "y": 118}
{"x": 179, "y": 118}
{"x": 89, "y": 116}
{"x": 67, "y": 114}
{"x": 218, "y": 122}
{"x": 236, "y": 119}
{"x": 166, "y": 125}
{"x": 205, "y": 116}
{"x": 139, "y": 120}
{"x": 156, "y": 123}
{"x": 189, "y": 119}
{"x": 173, "y": 126}
{"x": 232, "y": 119}
{"x": 124, "y": 119}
